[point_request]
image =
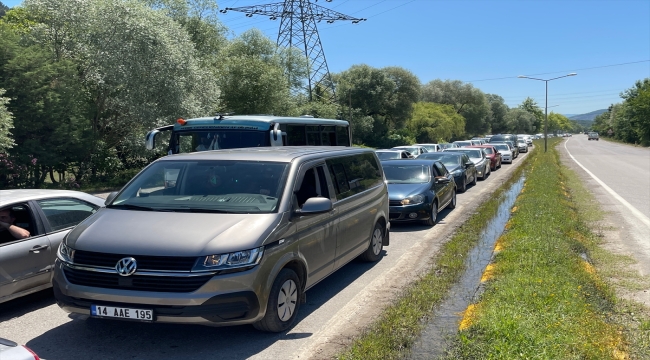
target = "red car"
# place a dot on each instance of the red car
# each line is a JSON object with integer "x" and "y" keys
{"x": 492, "y": 153}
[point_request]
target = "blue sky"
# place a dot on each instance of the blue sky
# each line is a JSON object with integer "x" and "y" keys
{"x": 488, "y": 43}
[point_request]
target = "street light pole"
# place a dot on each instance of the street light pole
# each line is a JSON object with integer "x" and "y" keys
{"x": 546, "y": 102}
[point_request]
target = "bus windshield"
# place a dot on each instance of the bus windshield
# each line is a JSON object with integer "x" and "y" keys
{"x": 202, "y": 140}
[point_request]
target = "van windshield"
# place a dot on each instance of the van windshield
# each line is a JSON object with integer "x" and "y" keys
{"x": 202, "y": 140}
{"x": 206, "y": 186}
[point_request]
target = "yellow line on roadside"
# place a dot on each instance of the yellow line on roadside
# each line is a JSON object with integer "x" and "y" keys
{"x": 488, "y": 273}
{"x": 468, "y": 317}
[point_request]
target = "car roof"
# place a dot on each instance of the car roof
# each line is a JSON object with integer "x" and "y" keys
{"x": 405, "y": 146}
{"x": 407, "y": 161}
{"x": 389, "y": 150}
{"x": 20, "y": 195}
{"x": 274, "y": 154}
{"x": 266, "y": 119}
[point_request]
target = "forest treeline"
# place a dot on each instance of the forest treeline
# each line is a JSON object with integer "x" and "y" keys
{"x": 82, "y": 81}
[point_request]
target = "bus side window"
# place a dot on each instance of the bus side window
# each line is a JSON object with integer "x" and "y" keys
{"x": 296, "y": 135}
{"x": 313, "y": 135}
{"x": 342, "y": 136}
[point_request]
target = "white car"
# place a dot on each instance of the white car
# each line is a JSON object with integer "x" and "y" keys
{"x": 504, "y": 150}
{"x": 414, "y": 150}
{"x": 430, "y": 147}
{"x": 48, "y": 215}
{"x": 9, "y": 350}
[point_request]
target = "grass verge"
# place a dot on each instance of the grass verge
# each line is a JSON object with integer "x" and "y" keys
{"x": 391, "y": 336}
{"x": 547, "y": 298}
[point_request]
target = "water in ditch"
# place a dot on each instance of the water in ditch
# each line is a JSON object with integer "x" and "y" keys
{"x": 443, "y": 325}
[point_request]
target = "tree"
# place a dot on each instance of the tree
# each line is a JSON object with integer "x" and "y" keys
{"x": 637, "y": 109}
{"x": 6, "y": 124}
{"x": 434, "y": 123}
{"x": 498, "y": 109}
{"x": 3, "y": 9}
{"x": 531, "y": 106}
{"x": 520, "y": 121}
{"x": 558, "y": 122}
{"x": 255, "y": 76}
{"x": 466, "y": 100}
{"x": 406, "y": 92}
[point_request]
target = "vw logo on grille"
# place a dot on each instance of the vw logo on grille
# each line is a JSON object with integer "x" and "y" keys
{"x": 126, "y": 266}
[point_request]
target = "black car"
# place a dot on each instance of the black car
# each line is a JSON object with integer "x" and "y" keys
{"x": 418, "y": 190}
{"x": 458, "y": 164}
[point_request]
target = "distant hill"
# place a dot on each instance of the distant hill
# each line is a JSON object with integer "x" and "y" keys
{"x": 570, "y": 115}
{"x": 588, "y": 116}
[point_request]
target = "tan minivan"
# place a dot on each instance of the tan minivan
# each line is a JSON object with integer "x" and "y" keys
{"x": 225, "y": 237}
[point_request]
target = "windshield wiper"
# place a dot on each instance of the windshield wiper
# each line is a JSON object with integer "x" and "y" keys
{"x": 194, "y": 210}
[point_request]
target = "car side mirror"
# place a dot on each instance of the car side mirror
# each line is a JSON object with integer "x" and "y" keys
{"x": 469, "y": 164}
{"x": 110, "y": 197}
{"x": 315, "y": 205}
{"x": 442, "y": 180}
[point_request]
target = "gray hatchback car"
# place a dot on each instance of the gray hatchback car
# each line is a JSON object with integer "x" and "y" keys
{"x": 225, "y": 237}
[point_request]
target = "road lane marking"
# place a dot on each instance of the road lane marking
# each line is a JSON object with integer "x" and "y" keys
{"x": 639, "y": 215}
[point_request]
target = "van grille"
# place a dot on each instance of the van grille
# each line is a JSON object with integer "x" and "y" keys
{"x": 145, "y": 262}
{"x": 174, "y": 284}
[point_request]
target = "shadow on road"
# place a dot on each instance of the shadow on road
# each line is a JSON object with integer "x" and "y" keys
{"x": 114, "y": 339}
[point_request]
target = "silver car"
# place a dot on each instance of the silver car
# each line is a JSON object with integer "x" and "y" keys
{"x": 225, "y": 237}
{"x": 48, "y": 215}
{"x": 479, "y": 158}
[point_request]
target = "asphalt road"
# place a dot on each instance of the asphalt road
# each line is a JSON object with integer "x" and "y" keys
{"x": 336, "y": 310}
{"x": 619, "y": 177}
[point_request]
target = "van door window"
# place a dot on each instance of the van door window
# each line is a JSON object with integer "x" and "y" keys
{"x": 354, "y": 174}
{"x": 313, "y": 184}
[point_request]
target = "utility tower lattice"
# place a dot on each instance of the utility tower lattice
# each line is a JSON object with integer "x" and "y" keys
{"x": 298, "y": 29}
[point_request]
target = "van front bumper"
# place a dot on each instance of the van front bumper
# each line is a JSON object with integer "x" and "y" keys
{"x": 240, "y": 306}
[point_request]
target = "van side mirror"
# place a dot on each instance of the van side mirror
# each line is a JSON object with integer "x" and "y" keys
{"x": 110, "y": 197}
{"x": 315, "y": 205}
{"x": 150, "y": 139}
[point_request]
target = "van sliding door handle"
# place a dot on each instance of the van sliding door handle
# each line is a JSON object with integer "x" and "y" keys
{"x": 38, "y": 248}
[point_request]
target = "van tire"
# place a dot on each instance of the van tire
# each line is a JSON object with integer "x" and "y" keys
{"x": 284, "y": 301}
{"x": 373, "y": 252}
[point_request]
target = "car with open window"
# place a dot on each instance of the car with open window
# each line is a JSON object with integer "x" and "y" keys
{"x": 26, "y": 263}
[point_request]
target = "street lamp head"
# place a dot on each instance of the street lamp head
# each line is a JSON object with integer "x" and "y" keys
{"x": 572, "y": 74}
{"x": 521, "y": 76}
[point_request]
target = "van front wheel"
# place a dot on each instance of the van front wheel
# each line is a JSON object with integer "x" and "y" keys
{"x": 283, "y": 304}
{"x": 373, "y": 253}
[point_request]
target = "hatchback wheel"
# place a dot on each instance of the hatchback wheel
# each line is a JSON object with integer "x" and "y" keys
{"x": 283, "y": 303}
{"x": 433, "y": 217}
{"x": 464, "y": 187}
{"x": 452, "y": 203}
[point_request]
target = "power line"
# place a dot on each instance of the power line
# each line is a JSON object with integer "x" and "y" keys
{"x": 562, "y": 71}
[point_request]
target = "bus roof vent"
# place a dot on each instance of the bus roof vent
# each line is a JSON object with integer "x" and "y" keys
{"x": 306, "y": 116}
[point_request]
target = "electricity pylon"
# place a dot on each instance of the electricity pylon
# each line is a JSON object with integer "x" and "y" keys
{"x": 298, "y": 29}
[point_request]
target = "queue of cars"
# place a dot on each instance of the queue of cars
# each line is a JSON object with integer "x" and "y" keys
{"x": 228, "y": 237}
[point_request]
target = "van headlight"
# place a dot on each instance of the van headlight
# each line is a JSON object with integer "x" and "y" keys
{"x": 413, "y": 200}
{"x": 65, "y": 253}
{"x": 244, "y": 260}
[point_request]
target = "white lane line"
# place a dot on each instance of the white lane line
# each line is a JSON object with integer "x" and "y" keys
{"x": 644, "y": 219}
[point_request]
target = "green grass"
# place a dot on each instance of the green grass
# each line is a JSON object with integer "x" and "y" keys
{"x": 391, "y": 336}
{"x": 545, "y": 301}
